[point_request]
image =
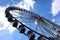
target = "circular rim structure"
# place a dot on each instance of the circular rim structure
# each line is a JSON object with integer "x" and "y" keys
{"x": 38, "y": 20}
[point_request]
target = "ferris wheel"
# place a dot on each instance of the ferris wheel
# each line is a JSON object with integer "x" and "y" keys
{"x": 30, "y": 24}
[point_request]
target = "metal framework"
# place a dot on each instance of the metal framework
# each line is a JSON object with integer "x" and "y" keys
{"x": 21, "y": 19}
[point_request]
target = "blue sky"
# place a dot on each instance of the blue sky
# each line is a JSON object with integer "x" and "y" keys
{"x": 41, "y": 7}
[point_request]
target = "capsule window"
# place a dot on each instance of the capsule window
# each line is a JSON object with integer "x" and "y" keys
{"x": 15, "y": 24}
{"x": 42, "y": 38}
{"x": 8, "y": 15}
{"x": 30, "y": 35}
{"x": 11, "y": 19}
{"x": 21, "y": 29}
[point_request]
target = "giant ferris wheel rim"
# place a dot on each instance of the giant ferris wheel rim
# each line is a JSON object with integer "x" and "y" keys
{"x": 16, "y": 8}
{"x": 31, "y": 13}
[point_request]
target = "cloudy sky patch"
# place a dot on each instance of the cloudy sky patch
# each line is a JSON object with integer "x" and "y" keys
{"x": 55, "y": 7}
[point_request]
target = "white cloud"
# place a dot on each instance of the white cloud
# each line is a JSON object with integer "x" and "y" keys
{"x": 11, "y": 29}
{"x": 26, "y": 4}
{"x": 4, "y": 22}
{"x": 1, "y": 24}
{"x": 55, "y": 7}
{"x": 2, "y": 18}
